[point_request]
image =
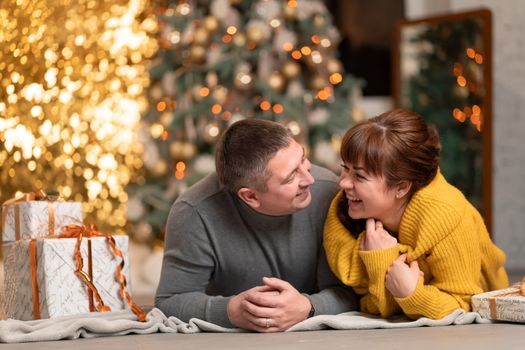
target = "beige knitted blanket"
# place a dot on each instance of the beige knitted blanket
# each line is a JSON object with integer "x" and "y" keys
{"x": 117, "y": 323}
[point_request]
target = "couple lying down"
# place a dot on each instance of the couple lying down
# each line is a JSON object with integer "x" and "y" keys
{"x": 269, "y": 239}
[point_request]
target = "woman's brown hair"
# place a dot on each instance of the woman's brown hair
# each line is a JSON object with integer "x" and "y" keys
{"x": 397, "y": 145}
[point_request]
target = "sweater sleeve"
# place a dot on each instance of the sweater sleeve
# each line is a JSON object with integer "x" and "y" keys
{"x": 342, "y": 251}
{"x": 187, "y": 267}
{"x": 379, "y": 300}
{"x": 455, "y": 265}
{"x": 333, "y": 297}
{"x": 365, "y": 271}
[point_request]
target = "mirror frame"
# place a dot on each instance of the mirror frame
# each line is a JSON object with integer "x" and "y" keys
{"x": 486, "y": 130}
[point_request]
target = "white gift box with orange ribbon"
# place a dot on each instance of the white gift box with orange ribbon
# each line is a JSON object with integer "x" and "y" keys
{"x": 35, "y": 219}
{"x": 503, "y": 305}
{"x": 40, "y": 278}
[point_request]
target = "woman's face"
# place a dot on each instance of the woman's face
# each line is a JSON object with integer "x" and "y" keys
{"x": 367, "y": 195}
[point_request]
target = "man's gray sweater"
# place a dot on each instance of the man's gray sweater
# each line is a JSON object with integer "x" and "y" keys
{"x": 216, "y": 246}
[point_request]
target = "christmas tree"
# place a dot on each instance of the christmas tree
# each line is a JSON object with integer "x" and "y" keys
{"x": 446, "y": 86}
{"x": 221, "y": 61}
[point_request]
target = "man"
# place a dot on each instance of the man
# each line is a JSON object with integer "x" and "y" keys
{"x": 243, "y": 246}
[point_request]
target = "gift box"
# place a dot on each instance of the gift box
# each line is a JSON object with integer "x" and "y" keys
{"x": 36, "y": 219}
{"x": 40, "y": 278}
{"x": 503, "y": 305}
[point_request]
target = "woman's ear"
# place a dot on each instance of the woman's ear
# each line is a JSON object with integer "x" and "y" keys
{"x": 249, "y": 196}
{"x": 403, "y": 188}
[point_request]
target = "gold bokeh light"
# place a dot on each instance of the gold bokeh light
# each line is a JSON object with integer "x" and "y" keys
{"x": 72, "y": 75}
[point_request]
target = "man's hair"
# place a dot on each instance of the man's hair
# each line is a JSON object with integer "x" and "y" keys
{"x": 244, "y": 150}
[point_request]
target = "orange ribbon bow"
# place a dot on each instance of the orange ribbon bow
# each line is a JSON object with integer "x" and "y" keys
{"x": 79, "y": 232}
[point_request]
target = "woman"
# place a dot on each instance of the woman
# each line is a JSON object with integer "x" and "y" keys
{"x": 398, "y": 232}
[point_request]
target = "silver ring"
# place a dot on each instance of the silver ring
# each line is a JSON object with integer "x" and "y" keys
{"x": 267, "y": 323}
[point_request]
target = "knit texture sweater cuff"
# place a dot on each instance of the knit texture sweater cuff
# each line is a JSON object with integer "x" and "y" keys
{"x": 415, "y": 302}
{"x": 218, "y": 312}
{"x": 378, "y": 261}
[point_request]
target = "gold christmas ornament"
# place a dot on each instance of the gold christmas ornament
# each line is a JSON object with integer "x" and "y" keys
{"x": 160, "y": 168}
{"x": 211, "y": 23}
{"x": 334, "y": 66}
{"x": 183, "y": 9}
{"x": 176, "y": 149}
{"x": 291, "y": 69}
{"x": 182, "y": 150}
{"x": 319, "y": 20}
{"x": 211, "y": 132}
{"x": 239, "y": 39}
{"x": 276, "y": 81}
{"x": 198, "y": 54}
{"x": 211, "y": 79}
{"x": 243, "y": 80}
{"x": 174, "y": 39}
{"x": 318, "y": 82}
{"x": 196, "y": 92}
{"x": 255, "y": 34}
{"x": 295, "y": 128}
{"x": 156, "y": 92}
{"x": 201, "y": 36}
{"x": 166, "y": 118}
{"x": 220, "y": 93}
{"x": 188, "y": 150}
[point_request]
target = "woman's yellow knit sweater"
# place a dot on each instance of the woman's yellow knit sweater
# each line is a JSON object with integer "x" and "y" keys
{"x": 448, "y": 238}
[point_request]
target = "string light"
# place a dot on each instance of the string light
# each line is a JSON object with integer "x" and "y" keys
{"x": 71, "y": 100}
{"x": 277, "y": 108}
{"x": 287, "y": 47}
{"x": 473, "y": 113}
{"x": 265, "y": 105}
{"x": 305, "y": 50}
{"x": 296, "y": 54}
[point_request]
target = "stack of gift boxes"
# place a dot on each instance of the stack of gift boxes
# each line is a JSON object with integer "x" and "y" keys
{"x": 42, "y": 268}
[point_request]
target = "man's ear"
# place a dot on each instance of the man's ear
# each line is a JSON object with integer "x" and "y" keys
{"x": 249, "y": 197}
{"x": 403, "y": 188}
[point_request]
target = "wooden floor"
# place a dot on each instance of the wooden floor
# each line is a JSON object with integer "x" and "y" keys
{"x": 476, "y": 336}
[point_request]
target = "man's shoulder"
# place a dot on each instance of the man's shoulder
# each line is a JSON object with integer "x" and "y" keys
{"x": 324, "y": 188}
{"x": 204, "y": 189}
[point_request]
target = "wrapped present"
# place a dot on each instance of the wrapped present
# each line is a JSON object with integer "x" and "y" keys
{"x": 57, "y": 276}
{"x": 504, "y": 304}
{"x": 36, "y": 215}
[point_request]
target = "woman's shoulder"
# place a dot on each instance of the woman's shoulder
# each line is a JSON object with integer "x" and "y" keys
{"x": 441, "y": 195}
{"x": 437, "y": 208}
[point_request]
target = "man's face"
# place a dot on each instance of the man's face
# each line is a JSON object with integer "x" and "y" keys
{"x": 289, "y": 186}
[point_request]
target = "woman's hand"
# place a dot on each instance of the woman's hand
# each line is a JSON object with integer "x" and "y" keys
{"x": 401, "y": 278}
{"x": 376, "y": 237}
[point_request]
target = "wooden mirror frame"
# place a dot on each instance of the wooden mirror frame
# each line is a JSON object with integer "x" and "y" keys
{"x": 486, "y": 130}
